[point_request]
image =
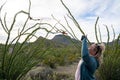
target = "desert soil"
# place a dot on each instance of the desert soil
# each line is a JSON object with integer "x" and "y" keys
{"x": 69, "y": 69}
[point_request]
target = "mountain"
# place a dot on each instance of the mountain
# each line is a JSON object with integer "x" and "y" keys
{"x": 64, "y": 39}
{"x": 61, "y": 41}
{"x": 55, "y": 42}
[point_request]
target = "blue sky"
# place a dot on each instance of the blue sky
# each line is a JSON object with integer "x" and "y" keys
{"x": 85, "y": 12}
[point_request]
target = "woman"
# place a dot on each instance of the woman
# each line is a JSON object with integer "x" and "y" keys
{"x": 90, "y": 60}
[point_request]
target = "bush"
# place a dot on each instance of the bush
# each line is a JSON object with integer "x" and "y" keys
{"x": 110, "y": 69}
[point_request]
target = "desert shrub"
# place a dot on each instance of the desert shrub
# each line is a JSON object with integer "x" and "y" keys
{"x": 110, "y": 68}
{"x": 42, "y": 74}
{"x": 17, "y": 59}
{"x": 60, "y": 56}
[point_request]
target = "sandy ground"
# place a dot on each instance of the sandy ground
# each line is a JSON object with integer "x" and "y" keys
{"x": 69, "y": 69}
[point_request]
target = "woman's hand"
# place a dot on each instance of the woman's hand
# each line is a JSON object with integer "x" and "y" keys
{"x": 83, "y": 36}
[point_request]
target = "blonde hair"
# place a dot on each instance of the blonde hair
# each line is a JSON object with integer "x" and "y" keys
{"x": 102, "y": 45}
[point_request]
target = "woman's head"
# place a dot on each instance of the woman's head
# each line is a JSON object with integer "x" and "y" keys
{"x": 96, "y": 50}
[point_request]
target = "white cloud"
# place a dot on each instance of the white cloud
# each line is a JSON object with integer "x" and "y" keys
{"x": 85, "y": 11}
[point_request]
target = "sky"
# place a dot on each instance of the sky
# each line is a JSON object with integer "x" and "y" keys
{"x": 84, "y": 11}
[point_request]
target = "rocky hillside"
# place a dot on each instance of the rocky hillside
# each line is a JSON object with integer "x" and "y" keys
{"x": 64, "y": 39}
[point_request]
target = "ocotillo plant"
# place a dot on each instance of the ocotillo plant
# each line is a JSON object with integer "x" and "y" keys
{"x": 15, "y": 63}
{"x": 110, "y": 68}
